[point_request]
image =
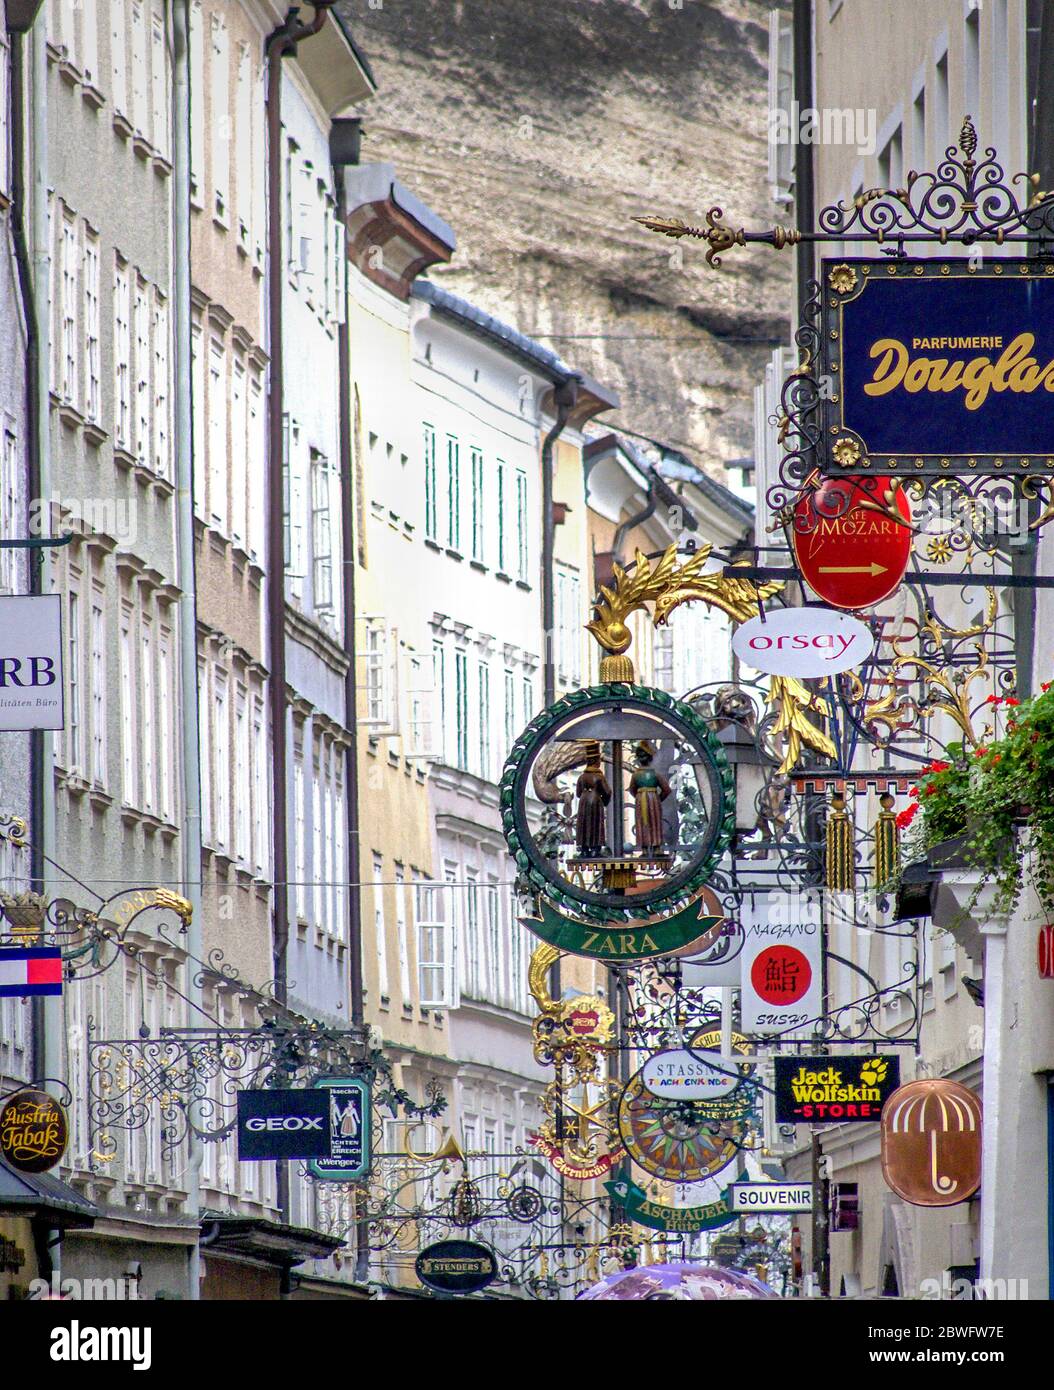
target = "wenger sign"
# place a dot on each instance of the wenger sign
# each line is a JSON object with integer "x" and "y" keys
{"x": 938, "y": 366}
{"x": 31, "y": 662}
{"x": 803, "y": 642}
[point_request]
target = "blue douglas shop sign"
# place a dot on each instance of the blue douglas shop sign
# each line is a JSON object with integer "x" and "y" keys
{"x": 940, "y": 366}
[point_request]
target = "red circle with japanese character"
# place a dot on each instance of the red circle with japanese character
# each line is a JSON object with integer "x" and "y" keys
{"x": 781, "y": 975}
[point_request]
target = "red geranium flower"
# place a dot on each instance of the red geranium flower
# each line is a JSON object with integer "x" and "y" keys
{"x": 1011, "y": 701}
{"x": 905, "y": 817}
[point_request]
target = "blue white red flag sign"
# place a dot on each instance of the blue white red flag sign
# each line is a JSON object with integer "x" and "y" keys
{"x": 26, "y": 970}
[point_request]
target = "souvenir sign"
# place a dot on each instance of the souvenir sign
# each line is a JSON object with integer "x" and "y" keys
{"x": 649, "y": 808}
{"x": 852, "y": 539}
{"x": 803, "y": 642}
{"x": 781, "y": 987}
{"x": 675, "y": 1139}
{"x": 774, "y": 1197}
{"x": 833, "y": 1090}
{"x": 456, "y": 1266}
{"x": 31, "y": 682}
{"x": 33, "y": 1131}
{"x": 28, "y": 970}
{"x": 349, "y": 1130}
{"x": 660, "y": 1216}
{"x": 931, "y": 1143}
{"x": 940, "y": 366}
{"x": 283, "y": 1124}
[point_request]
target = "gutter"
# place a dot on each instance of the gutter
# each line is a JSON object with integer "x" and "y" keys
{"x": 186, "y": 579}
{"x": 565, "y": 395}
{"x": 281, "y": 43}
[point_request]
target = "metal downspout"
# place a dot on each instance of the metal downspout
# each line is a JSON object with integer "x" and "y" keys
{"x": 183, "y": 438}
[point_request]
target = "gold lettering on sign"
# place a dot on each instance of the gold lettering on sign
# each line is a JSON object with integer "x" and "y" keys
{"x": 1015, "y": 369}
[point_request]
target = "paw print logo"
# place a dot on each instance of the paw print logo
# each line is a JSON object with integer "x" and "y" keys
{"x": 873, "y": 1071}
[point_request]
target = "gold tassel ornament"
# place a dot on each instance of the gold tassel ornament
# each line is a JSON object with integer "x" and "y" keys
{"x": 841, "y": 868}
{"x": 887, "y": 842}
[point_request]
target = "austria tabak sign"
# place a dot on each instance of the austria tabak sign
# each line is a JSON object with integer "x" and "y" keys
{"x": 940, "y": 366}
{"x": 803, "y": 642}
{"x": 852, "y": 539}
{"x": 833, "y": 1090}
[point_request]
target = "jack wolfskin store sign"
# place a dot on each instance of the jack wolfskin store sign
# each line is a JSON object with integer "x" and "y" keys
{"x": 832, "y": 1090}
{"x": 283, "y": 1124}
{"x": 938, "y": 366}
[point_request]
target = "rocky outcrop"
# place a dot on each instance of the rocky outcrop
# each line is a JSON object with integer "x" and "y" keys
{"x": 538, "y": 129}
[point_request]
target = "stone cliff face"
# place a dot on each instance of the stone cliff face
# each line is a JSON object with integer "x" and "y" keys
{"x": 538, "y": 129}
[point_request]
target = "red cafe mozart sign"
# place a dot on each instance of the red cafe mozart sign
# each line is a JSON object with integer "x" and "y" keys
{"x": 853, "y": 553}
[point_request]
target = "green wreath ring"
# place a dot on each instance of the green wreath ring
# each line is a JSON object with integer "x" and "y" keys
{"x": 529, "y": 862}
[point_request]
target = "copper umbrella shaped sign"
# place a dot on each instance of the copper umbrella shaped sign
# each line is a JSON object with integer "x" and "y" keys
{"x": 931, "y": 1143}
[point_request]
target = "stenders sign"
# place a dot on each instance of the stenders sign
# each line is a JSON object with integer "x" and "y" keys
{"x": 940, "y": 366}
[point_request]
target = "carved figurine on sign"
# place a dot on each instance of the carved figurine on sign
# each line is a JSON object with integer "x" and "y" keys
{"x": 650, "y": 789}
{"x": 594, "y": 793}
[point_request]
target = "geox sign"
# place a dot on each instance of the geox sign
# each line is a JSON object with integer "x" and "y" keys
{"x": 283, "y": 1124}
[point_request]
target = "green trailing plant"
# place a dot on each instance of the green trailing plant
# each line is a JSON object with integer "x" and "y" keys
{"x": 998, "y": 798}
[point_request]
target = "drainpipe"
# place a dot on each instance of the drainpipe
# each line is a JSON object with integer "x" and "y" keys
{"x": 565, "y": 394}
{"x": 804, "y": 173}
{"x": 183, "y": 438}
{"x": 351, "y": 760}
{"x": 281, "y": 43}
{"x": 29, "y": 218}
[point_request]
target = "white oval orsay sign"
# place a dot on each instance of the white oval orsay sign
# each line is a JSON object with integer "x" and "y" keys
{"x": 803, "y": 642}
{"x": 684, "y": 1076}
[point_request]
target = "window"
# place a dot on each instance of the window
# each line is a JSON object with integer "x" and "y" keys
{"x": 165, "y": 723}
{"x": 492, "y": 906}
{"x": 522, "y": 521}
{"x": 503, "y": 561}
{"x": 97, "y": 673}
{"x": 439, "y": 677}
{"x": 217, "y": 420}
{"x": 88, "y": 47}
{"x": 147, "y": 740}
{"x": 128, "y": 709}
{"x": 158, "y": 85}
{"x": 219, "y": 119}
{"x": 485, "y": 769}
{"x": 940, "y": 107}
{"x": 436, "y": 956}
{"x": 119, "y": 54}
{"x": 243, "y": 147}
{"x": 122, "y": 358}
{"x": 340, "y": 853}
{"x": 221, "y": 737}
{"x": 90, "y": 277}
{"x": 243, "y": 801}
{"x": 528, "y": 699}
{"x": 261, "y": 795}
{"x": 400, "y": 926}
{"x": 205, "y": 751}
{"x": 161, "y": 431}
{"x": 321, "y": 539}
{"x": 972, "y": 58}
{"x": 891, "y": 161}
{"x": 510, "y": 710}
{"x": 140, "y": 70}
{"x": 141, "y": 332}
{"x": 12, "y": 523}
{"x": 254, "y": 468}
{"x": 453, "y": 475}
{"x": 5, "y": 78}
{"x": 197, "y": 410}
{"x": 918, "y": 129}
{"x": 239, "y": 451}
{"x": 568, "y": 625}
{"x": 378, "y": 926}
{"x": 461, "y": 708}
{"x": 378, "y": 666}
{"x": 197, "y": 105}
{"x": 74, "y": 712}
{"x": 781, "y": 109}
{"x": 318, "y": 837}
{"x": 431, "y": 501}
{"x": 473, "y": 963}
{"x": 70, "y": 257}
{"x": 477, "y": 505}
{"x": 300, "y": 830}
